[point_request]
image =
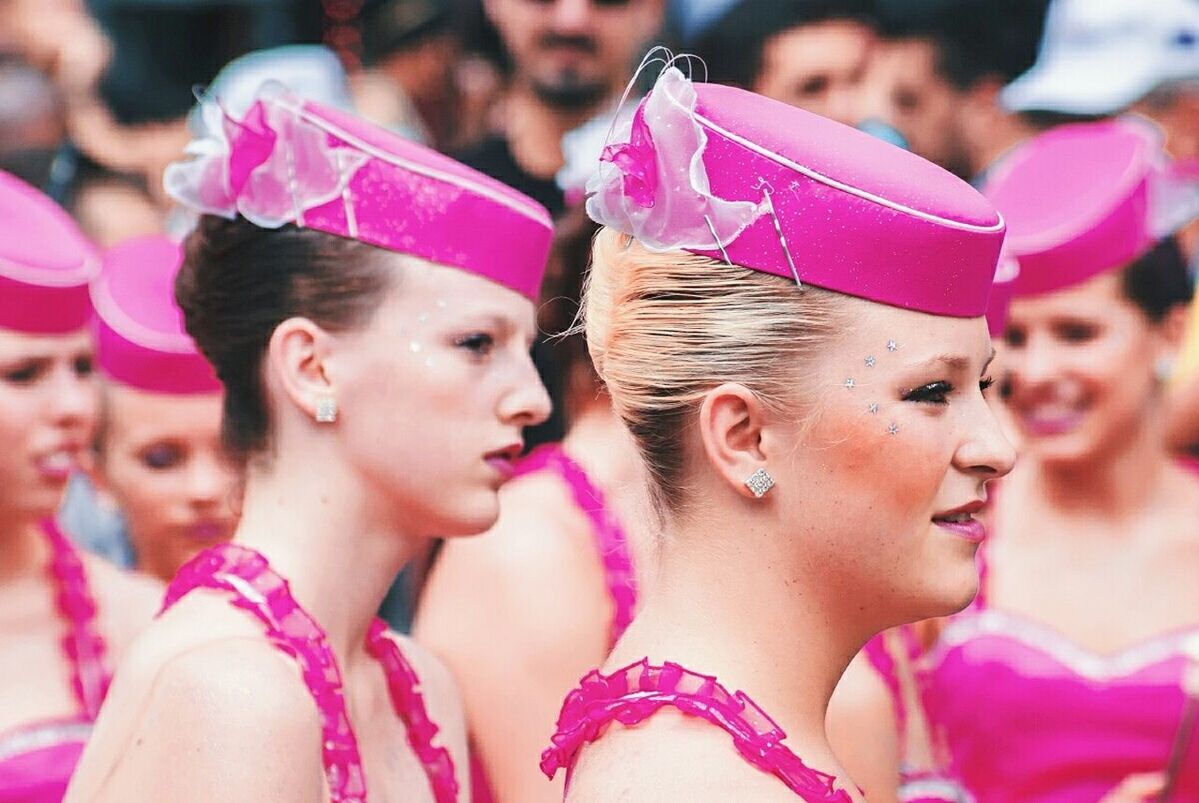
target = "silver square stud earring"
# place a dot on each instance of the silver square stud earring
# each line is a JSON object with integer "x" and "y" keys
{"x": 326, "y": 411}
{"x": 759, "y": 483}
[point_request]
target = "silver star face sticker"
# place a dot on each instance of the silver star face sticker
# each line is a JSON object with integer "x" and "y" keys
{"x": 893, "y": 429}
{"x": 873, "y": 408}
{"x": 870, "y": 362}
{"x": 892, "y": 345}
{"x": 849, "y": 383}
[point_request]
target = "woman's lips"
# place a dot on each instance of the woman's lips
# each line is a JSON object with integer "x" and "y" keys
{"x": 208, "y": 531}
{"x": 1048, "y": 425}
{"x": 57, "y": 466}
{"x": 970, "y": 529}
{"x": 503, "y": 465}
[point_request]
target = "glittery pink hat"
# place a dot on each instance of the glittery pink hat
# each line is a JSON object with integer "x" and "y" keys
{"x": 140, "y": 338}
{"x": 45, "y": 263}
{"x": 290, "y": 161}
{"x": 736, "y": 176}
{"x": 1087, "y": 198}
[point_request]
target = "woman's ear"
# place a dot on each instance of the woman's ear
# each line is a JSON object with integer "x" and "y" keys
{"x": 296, "y": 355}
{"x": 731, "y": 423}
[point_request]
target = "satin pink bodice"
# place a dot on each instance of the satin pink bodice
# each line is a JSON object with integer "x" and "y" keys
{"x": 37, "y": 759}
{"x": 611, "y": 546}
{"x": 631, "y": 695}
{"x": 257, "y": 589}
{"x": 1028, "y": 716}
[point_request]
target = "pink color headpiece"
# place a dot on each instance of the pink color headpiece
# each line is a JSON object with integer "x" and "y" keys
{"x": 45, "y": 263}
{"x": 290, "y": 161}
{"x": 140, "y": 339}
{"x": 732, "y": 175}
{"x": 1087, "y": 198}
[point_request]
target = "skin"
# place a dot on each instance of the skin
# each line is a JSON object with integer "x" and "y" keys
{"x": 565, "y": 46}
{"x": 162, "y": 462}
{"x": 1096, "y": 476}
{"x": 818, "y": 67}
{"x": 338, "y": 509}
{"x": 842, "y": 547}
{"x": 47, "y": 412}
{"x": 539, "y": 612}
{"x": 963, "y": 129}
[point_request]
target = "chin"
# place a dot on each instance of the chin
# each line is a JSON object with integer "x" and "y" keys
{"x": 473, "y": 520}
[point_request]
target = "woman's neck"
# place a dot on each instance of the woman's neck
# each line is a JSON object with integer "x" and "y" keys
{"x": 725, "y": 603}
{"x": 321, "y": 530}
{"x": 1113, "y": 485}
{"x": 24, "y": 552}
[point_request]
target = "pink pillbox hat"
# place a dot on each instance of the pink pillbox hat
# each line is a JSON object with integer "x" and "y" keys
{"x": 140, "y": 339}
{"x": 1081, "y": 200}
{"x": 290, "y": 161}
{"x": 45, "y": 263}
{"x": 733, "y": 175}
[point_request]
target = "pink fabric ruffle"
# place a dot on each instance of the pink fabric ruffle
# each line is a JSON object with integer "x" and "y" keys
{"x": 258, "y": 589}
{"x": 610, "y": 538}
{"x": 635, "y": 693}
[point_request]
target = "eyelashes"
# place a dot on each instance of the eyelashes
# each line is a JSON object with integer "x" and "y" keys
{"x": 938, "y": 392}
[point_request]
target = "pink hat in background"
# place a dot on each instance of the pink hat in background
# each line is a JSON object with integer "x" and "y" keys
{"x": 289, "y": 161}
{"x": 45, "y": 263}
{"x": 140, "y": 339}
{"x": 1084, "y": 199}
{"x": 739, "y": 177}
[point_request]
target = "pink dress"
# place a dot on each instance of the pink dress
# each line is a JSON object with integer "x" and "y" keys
{"x": 36, "y": 760}
{"x": 633, "y": 694}
{"x": 611, "y": 545}
{"x": 1028, "y": 716}
{"x": 254, "y": 587}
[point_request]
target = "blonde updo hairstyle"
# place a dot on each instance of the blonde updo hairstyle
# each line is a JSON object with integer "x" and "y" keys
{"x": 664, "y": 328}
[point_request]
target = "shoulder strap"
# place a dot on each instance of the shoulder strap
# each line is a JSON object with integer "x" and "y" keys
{"x": 635, "y": 693}
{"x": 611, "y": 541}
{"x": 254, "y": 587}
{"x": 403, "y": 685}
{"x": 82, "y": 645}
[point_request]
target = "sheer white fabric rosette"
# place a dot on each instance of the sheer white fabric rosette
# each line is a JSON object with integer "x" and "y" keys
{"x": 1173, "y": 198}
{"x": 652, "y": 183}
{"x": 270, "y": 167}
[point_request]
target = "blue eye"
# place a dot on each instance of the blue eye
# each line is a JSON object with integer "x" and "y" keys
{"x": 162, "y": 456}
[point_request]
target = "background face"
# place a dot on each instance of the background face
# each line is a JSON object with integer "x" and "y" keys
{"x": 161, "y": 460}
{"x": 818, "y": 67}
{"x": 47, "y": 418}
{"x": 1080, "y": 367}
{"x": 575, "y": 53}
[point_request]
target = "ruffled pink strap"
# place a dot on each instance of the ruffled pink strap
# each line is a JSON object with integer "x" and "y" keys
{"x": 256, "y": 588}
{"x": 403, "y": 684}
{"x": 82, "y": 644}
{"x": 638, "y": 691}
{"x": 610, "y": 538}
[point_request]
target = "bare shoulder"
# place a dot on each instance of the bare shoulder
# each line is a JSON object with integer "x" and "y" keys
{"x": 232, "y": 720}
{"x": 537, "y": 567}
{"x": 668, "y": 758}
{"x": 127, "y": 601}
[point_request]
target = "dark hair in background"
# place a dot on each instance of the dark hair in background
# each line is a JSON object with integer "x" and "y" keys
{"x": 392, "y": 26}
{"x": 733, "y": 45}
{"x": 975, "y": 39}
{"x": 238, "y": 282}
{"x": 1158, "y": 281}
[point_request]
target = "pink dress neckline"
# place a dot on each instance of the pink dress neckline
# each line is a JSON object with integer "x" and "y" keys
{"x": 638, "y": 691}
{"x": 259, "y": 590}
{"x": 38, "y": 758}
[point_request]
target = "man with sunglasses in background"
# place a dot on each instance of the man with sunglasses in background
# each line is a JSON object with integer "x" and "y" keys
{"x": 570, "y": 60}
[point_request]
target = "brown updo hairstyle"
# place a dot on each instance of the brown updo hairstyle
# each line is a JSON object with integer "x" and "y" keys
{"x": 665, "y": 328}
{"x": 238, "y": 282}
